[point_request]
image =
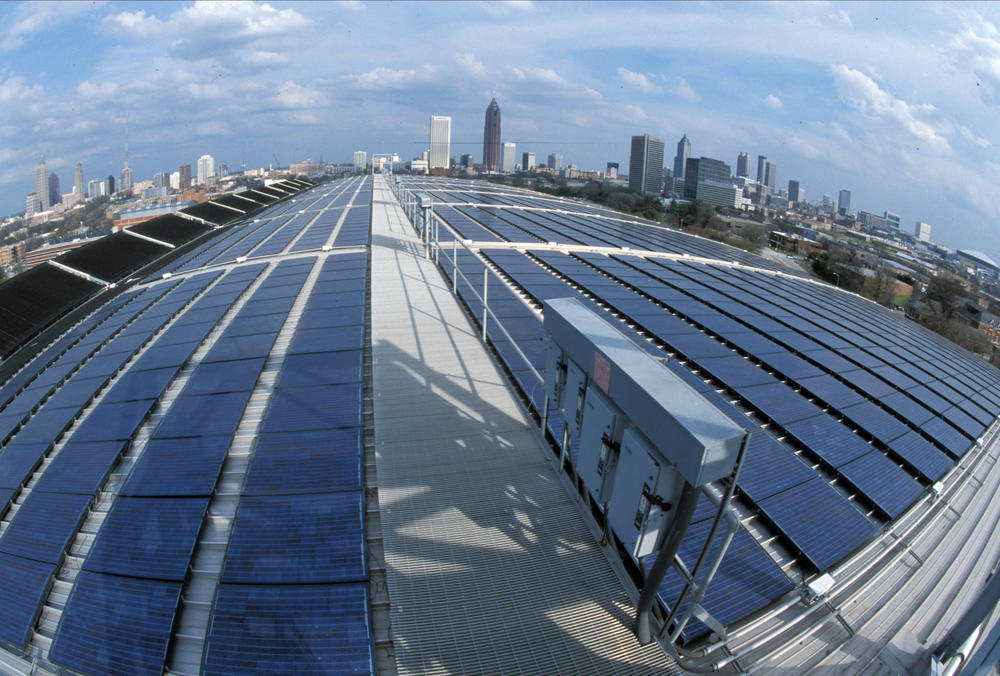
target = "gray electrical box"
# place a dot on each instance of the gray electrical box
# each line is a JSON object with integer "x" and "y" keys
{"x": 599, "y": 435}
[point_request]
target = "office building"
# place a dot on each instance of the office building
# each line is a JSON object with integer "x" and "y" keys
{"x": 55, "y": 196}
{"x": 161, "y": 179}
{"x": 555, "y": 161}
{"x": 922, "y": 231}
{"x": 711, "y": 181}
{"x": 42, "y": 185}
{"x": 844, "y": 202}
{"x": 111, "y": 184}
{"x": 360, "y": 160}
{"x": 125, "y": 184}
{"x": 612, "y": 170}
{"x": 645, "y": 167}
{"x": 508, "y": 161}
{"x": 793, "y": 191}
{"x": 78, "y": 182}
{"x": 32, "y": 205}
{"x": 743, "y": 165}
{"x": 184, "y": 179}
{"x": 206, "y": 169}
{"x": 175, "y": 180}
{"x": 440, "y": 143}
{"x": 761, "y": 168}
{"x": 892, "y": 220}
{"x": 527, "y": 161}
{"x": 467, "y": 162}
{"x": 683, "y": 153}
{"x": 770, "y": 175}
{"x": 95, "y": 188}
{"x": 491, "y": 137}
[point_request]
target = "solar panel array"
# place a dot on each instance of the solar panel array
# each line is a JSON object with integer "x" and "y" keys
{"x": 853, "y": 416}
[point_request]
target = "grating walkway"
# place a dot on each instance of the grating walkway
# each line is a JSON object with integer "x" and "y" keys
{"x": 490, "y": 566}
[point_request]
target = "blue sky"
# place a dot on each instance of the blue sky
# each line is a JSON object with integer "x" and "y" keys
{"x": 895, "y": 102}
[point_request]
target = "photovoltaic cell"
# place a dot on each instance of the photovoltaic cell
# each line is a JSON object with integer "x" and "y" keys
{"x": 313, "y": 408}
{"x": 81, "y": 467}
{"x": 179, "y": 466}
{"x": 922, "y": 455}
{"x": 111, "y": 421}
{"x": 305, "y": 462}
{"x": 115, "y": 624}
{"x": 47, "y": 425}
{"x": 203, "y": 415}
{"x": 779, "y": 402}
{"x": 828, "y": 438}
{"x": 297, "y": 539}
{"x": 224, "y": 376}
{"x": 44, "y": 525}
{"x": 18, "y": 461}
{"x": 23, "y": 585}
{"x": 320, "y": 368}
{"x": 883, "y": 482}
{"x": 316, "y": 629}
{"x": 770, "y": 467}
{"x": 148, "y": 537}
{"x": 135, "y": 385}
{"x": 876, "y": 421}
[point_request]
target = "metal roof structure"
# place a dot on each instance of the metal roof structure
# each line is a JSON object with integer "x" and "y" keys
{"x": 303, "y": 420}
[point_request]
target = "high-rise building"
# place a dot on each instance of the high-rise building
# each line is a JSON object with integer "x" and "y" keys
{"x": 95, "y": 188}
{"x": 206, "y": 169}
{"x": 467, "y": 161}
{"x": 184, "y": 182}
{"x": 761, "y": 168}
{"x": 175, "y": 180}
{"x": 683, "y": 153}
{"x": 78, "y": 182}
{"x": 705, "y": 174}
{"x": 111, "y": 184}
{"x": 612, "y": 171}
{"x": 55, "y": 196}
{"x": 32, "y": 205}
{"x": 527, "y": 161}
{"x": 770, "y": 174}
{"x": 922, "y": 231}
{"x": 793, "y": 191}
{"x": 844, "y": 202}
{"x": 360, "y": 160}
{"x": 555, "y": 161}
{"x": 491, "y": 137}
{"x": 161, "y": 179}
{"x": 645, "y": 166}
{"x": 892, "y": 220}
{"x": 126, "y": 179}
{"x": 743, "y": 165}
{"x": 42, "y": 184}
{"x": 440, "y": 142}
{"x": 508, "y": 161}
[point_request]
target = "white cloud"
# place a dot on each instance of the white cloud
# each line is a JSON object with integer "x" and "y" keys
{"x": 772, "y": 101}
{"x": 30, "y": 18}
{"x": 103, "y": 90}
{"x": 977, "y": 48}
{"x": 292, "y": 95}
{"x": 133, "y": 24}
{"x": 683, "y": 90}
{"x": 638, "y": 80}
{"x": 636, "y": 113}
{"x": 199, "y": 90}
{"x": 861, "y": 92}
{"x": 547, "y": 77}
{"x": 470, "y": 64}
{"x": 13, "y": 90}
{"x": 505, "y": 7}
{"x": 971, "y": 137}
{"x": 382, "y": 78}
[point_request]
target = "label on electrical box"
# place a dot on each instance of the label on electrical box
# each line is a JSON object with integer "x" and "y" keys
{"x": 602, "y": 372}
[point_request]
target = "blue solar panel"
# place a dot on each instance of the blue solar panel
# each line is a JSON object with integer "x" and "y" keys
{"x": 790, "y": 366}
{"x": 244, "y": 326}
{"x": 305, "y": 462}
{"x": 18, "y": 461}
{"x": 746, "y": 581}
{"x": 922, "y": 455}
{"x": 830, "y": 391}
{"x": 165, "y": 355}
{"x": 148, "y": 537}
{"x": 23, "y": 586}
{"x": 44, "y": 525}
{"x": 81, "y": 467}
{"x": 311, "y": 630}
{"x": 298, "y": 539}
{"x": 883, "y": 482}
{"x": 779, "y": 402}
{"x": 241, "y": 347}
{"x": 320, "y": 368}
{"x": 770, "y": 467}
{"x": 115, "y": 624}
{"x": 321, "y": 319}
{"x": 110, "y": 421}
{"x": 135, "y": 385}
{"x": 47, "y": 425}
{"x": 822, "y": 524}
{"x": 314, "y": 408}
{"x": 185, "y": 466}
{"x": 76, "y": 393}
{"x": 735, "y": 371}
{"x": 876, "y": 421}
{"x": 946, "y": 435}
{"x": 224, "y": 376}
{"x": 203, "y": 415}
{"x": 828, "y": 438}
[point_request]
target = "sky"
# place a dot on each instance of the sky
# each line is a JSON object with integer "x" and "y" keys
{"x": 895, "y": 102}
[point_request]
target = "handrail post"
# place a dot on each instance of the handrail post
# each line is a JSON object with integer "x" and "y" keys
{"x": 486, "y": 309}
{"x": 454, "y": 266}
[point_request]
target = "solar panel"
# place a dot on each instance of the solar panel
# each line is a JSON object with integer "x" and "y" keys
{"x": 314, "y": 629}
{"x": 297, "y": 539}
{"x": 148, "y": 537}
{"x": 203, "y": 415}
{"x": 770, "y": 467}
{"x": 23, "y": 586}
{"x": 44, "y": 525}
{"x": 81, "y": 467}
{"x": 830, "y": 391}
{"x": 18, "y": 461}
{"x": 76, "y": 393}
{"x": 831, "y": 440}
{"x": 241, "y": 347}
{"x": 822, "y": 525}
{"x": 735, "y": 371}
{"x": 320, "y": 368}
{"x": 779, "y": 402}
{"x": 180, "y": 466}
{"x": 876, "y": 421}
{"x": 226, "y": 376}
{"x": 47, "y": 425}
{"x": 165, "y": 355}
{"x": 134, "y": 385}
{"x": 115, "y": 624}
{"x": 314, "y": 408}
{"x": 946, "y": 435}
{"x": 883, "y": 482}
{"x": 305, "y": 462}
{"x": 109, "y": 421}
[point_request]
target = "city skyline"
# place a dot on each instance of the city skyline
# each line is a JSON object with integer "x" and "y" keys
{"x": 907, "y": 127}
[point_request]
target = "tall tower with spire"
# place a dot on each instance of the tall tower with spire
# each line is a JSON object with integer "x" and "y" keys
{"x": 683, "y": 153}
{"x": 126, "y": 177}
{"x": 491, "y": 137}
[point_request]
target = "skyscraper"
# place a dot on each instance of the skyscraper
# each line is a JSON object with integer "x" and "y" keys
{"x": 78, "y": 182}
{"x": 770, "y": 174}
{"x": 360, "y": 160}
{"x": 793, "y": 191}
{"x": 555, "y": 161}
{"x": 703, "y": 171}
{"x": 111, "y": 184}
{"x": 680, "y": 159}
{"x": 32, "y": 205}
{"x": 491, "y": 137}
{"x": 612, "y": 170}
{"x": 509, "y": 160}
{"x": 761, "y": 167}
{"x": 844, "y": 202}
{"x": 645, "y": 166}
{"x": 184, "y": 183}
{"x": 922, "y": 231}
{"x": 527, "y": 161}
{"x": 55, "y": 197}
{"x": 126, "y": 176}
{"x": 743, "y": 165}
{"x": 440, "y": 142}
{"x": 206, "y": 169}
{"x": 42, "y": 184}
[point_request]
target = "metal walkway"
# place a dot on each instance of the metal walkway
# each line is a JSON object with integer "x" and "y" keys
{"x": 490, "y": 566}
